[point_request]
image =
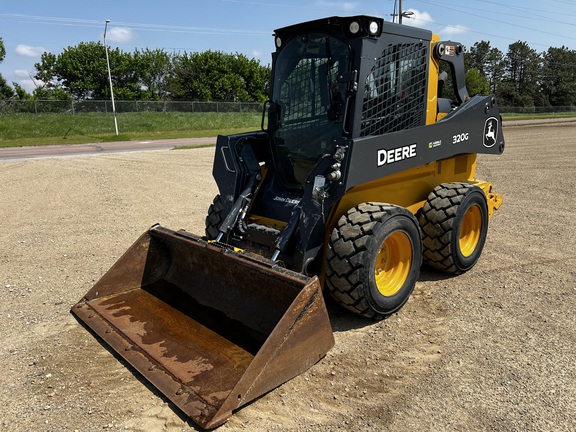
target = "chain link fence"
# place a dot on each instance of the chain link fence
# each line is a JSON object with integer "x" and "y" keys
{"x": 538, "y": 110}
{"x": 105, "y": 106}
{"x": 102, "y": 106}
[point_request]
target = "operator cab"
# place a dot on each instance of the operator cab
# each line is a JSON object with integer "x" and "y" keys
{"x": 308, "y": 104}
{"x": 337, "y": 79}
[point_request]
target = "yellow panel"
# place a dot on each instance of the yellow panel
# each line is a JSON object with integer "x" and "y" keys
{"x": 408, "y": 188}
{"x": 494, "y": 200}
{"x": 261, "y": 220}
{"x": 433, "y": 72}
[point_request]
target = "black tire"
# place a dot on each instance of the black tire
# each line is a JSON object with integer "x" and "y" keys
{"x": 365, "y": 235}
{"x": 214, "y": 218}
{"x": 454, "y": 223}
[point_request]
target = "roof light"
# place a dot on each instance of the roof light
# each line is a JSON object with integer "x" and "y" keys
{"x": 278, "y": 42}
{"x": 374, "y": 27}
{"x": 354, "y": 27}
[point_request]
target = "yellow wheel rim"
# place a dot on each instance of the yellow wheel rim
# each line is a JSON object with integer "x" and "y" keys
{"x": 470, "y": 230}
{"x": 393, "y": 263}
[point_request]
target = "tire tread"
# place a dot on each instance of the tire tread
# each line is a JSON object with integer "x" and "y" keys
{"x": 437, "y": 220}
{"x": 345, "y": 256}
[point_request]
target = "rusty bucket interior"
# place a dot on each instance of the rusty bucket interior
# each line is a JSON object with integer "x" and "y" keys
{"x": 210, "y": 327}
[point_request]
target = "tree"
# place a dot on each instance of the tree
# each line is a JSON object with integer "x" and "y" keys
{"x": 20, "y": 92}
{"x": 2, "y": 50}
{"x": 559, "y": 77}
{"x": 45, "y": 70}
{"x": 254, "y": 76}
{"x": 520, "y": 83}
{"x": 44, "y": 92}
{"x": 79, "y": 70}
{"x": 476, "y": 83}
{"x": 154, "y": 67}
{"x": 216, "y": 76}
{"x": 125, "y": 78}
{"x": 477, "y": 57}
{"x": 489, "y": 62}
{"x": 50, "y": 87}
{"x": 82, "y": 71}
{"x": 6, "y": 91}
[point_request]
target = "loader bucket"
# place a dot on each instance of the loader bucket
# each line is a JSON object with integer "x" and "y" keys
{"x": 211, "y": 328}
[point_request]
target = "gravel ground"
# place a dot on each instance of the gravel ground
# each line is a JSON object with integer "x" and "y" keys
{"x": 490, "y": 350}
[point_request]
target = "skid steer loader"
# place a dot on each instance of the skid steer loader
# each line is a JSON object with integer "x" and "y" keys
{"x": 361, "y": 171}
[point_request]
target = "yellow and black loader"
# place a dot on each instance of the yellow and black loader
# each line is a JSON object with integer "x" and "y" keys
{"x": 362, "y": 171}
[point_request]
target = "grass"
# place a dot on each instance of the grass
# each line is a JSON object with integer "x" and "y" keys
{"x": 18, "y": 130}
{"x": 43, "y": 129}
{"x": 537, "y": 116}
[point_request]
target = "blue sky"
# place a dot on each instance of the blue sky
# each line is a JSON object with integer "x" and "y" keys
{"x": 29, "y": 27}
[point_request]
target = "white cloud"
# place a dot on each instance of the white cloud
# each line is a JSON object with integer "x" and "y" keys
{"x": 120, "y": 34}
{"x": 29, "y": 51}
{"x": 28, "y": 84}
{"x": 21, "y": 73}
{"x": 349, "y": 6}
{"x": 418, "y": 18}
{"x": 25, "y": 79}
{"x": 453, "y": 30}
{"x": 424, "y": 20}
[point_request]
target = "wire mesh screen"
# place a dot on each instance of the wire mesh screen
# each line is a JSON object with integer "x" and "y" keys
{"x": 305, "y": 91}
{"x": 395, "y": 93}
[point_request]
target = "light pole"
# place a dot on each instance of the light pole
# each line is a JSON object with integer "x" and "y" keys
{"x": 401, "y": 14}
{"x": 110, "y": 78}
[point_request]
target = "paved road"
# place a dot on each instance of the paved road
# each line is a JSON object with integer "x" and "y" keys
{"x": 58, "y": 151}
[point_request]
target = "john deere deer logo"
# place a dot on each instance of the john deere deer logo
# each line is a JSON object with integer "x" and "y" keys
{"x": 490, "y": 131}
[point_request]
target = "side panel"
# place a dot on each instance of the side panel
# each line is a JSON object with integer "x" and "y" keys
{"x": 476, "y": 127}
{"x": 408, "y": 188}
{"x": 230, "y": 170}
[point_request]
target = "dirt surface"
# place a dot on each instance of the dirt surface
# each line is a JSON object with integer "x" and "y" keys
{"x": 492, "y": 349}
